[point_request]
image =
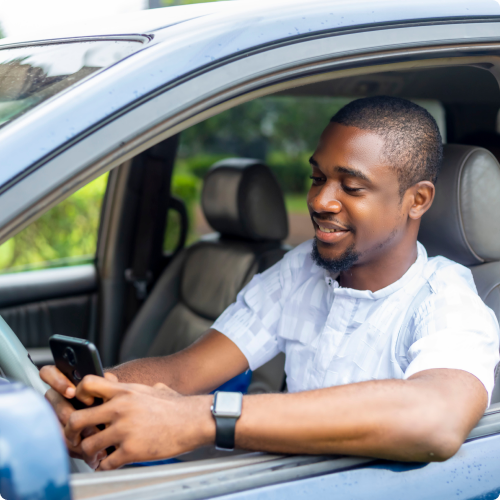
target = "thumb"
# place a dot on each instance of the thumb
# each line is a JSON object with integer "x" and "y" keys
{"x": 111, "y": 377}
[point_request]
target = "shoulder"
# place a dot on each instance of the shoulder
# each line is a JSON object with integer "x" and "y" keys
{"x": 447, "y": 276}
{"x": 454, "y": 298}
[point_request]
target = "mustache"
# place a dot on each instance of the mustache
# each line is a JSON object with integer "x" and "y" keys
{"x": 330, "y": 218}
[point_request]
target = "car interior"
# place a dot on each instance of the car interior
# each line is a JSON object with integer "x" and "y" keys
{"x": 135, "y": 300}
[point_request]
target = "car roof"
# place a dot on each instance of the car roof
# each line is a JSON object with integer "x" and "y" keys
{"x": 299, "y": 17}
{"x": 182, "y": 40}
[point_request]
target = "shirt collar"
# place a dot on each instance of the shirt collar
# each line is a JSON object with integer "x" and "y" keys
{"x": 415, "y": 269}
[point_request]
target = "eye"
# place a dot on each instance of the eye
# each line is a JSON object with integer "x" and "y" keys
{"x": 348, "y": 189}
{"x": 316, "y": 180}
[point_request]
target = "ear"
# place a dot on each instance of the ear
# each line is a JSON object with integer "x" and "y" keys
{"x": 423, "y": 195}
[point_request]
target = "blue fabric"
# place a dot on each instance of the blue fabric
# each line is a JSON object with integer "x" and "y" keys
{"x": 156, "y": 462}
{"x": 239, "y": 383}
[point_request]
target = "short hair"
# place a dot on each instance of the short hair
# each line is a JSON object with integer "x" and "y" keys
{"x": 413, "y": 144}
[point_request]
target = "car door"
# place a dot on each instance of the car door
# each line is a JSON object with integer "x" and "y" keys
{"x": 48, "y": 274}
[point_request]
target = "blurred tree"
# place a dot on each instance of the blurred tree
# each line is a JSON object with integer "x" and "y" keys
{"x": 1, "y": 32}
{"x": 282, "y": 131}
{"x": 65, "y": 235}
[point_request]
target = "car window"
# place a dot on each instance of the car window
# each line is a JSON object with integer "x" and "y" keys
{"x": 65, "y": 235}
{"x": 33, "y": 74}
{"x": 282, "y": 132}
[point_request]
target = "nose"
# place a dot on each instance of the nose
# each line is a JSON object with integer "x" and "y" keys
{"x": 324, "y": 200}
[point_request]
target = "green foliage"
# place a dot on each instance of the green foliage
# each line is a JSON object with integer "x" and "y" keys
{"x": 1, "y": 32}
{"x": 65, "y": 235}
{"x": 292, "y": 172}
{"x": 185, "y": 186}
{"x": 199, "y": 165}
{"x": 281, "y": 131}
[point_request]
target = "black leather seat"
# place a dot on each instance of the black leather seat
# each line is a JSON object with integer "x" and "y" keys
{"x": 463, "y": 223}
{"x": 243, "y": 202}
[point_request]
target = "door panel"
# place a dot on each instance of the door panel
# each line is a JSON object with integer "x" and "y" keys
{"x": 38, "y": 304}
{"x": 33, "y": 286}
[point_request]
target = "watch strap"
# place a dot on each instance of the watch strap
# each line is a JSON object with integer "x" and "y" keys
{"x": 224, "y": 432}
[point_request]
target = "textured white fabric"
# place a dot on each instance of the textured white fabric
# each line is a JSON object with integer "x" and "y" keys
{"x": 333, "y": 335}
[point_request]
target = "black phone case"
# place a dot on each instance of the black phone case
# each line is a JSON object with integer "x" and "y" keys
{"x": 87, "y": 361}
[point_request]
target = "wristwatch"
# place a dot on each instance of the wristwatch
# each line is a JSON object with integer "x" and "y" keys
{"x": 226, "y": 411}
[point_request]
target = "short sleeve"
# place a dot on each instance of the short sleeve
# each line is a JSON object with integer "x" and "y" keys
{"x": 455, "y": 330}
{"x": 251, "y": 322}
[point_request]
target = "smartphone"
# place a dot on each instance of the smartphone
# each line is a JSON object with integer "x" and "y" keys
{"x": 76, "y": 358}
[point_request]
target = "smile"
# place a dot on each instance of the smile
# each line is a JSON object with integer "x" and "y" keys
{"x": 329, "y": 232}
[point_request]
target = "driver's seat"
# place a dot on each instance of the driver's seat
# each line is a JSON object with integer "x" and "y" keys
{"x": 463, "y": 223}
{"x": 243, "y": 202}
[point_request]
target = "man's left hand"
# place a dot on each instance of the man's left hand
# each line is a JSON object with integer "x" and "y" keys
{"x": 143, "y": 423}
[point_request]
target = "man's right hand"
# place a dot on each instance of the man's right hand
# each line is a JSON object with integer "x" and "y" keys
{"x": 62, "y": 390}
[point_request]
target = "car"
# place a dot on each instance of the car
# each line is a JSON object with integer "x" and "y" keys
{"x": 108, "y": 102}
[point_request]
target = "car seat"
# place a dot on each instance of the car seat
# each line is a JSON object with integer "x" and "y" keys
{"x": 243, "y": 202}
{"x": 463, "y": 223}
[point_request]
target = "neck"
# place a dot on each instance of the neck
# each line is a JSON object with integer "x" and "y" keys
{"x": 383, "y": 269}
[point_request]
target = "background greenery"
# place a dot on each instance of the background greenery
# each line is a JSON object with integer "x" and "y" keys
{"x": 65, "y": 235}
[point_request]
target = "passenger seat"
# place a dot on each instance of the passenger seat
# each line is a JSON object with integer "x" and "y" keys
{"x": 463, "y": 223}
{"x": 243, "y": 202}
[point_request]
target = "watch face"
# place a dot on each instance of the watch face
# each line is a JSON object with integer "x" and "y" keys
{"x": 228, "y": 404}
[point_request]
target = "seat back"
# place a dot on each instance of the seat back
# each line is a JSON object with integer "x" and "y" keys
{"x": 463, "y": 223}
{"x": 242, "y": 201}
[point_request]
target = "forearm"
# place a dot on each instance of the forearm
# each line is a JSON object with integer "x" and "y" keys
{"x": 148, "y": 371}
{"x": 393, "y": 419}
{"x": 198, "y": 369}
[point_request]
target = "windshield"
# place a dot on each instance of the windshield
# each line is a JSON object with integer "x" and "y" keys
{"x": 31, "y": 75}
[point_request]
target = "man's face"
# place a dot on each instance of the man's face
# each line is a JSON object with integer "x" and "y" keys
{"x": 354, "y": 200}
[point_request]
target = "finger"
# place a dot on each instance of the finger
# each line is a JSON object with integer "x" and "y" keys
{"x": 111, "y": 376}
{"x": 116, "y": 460}
{"x": 76, "y": 440}
{"x": 89, "y": 431}
{"x": 57, "y": 380}
{"x": 97, "y": 443}
{"x": 61, "y": 405}
{"x": 89, "y": 417}
{"x": 91, "y": 460}
{"x": 161, "y": 386}
{"x": 93, "y": 386}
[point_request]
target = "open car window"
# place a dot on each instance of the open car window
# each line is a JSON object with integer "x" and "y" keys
{"x": 64, "y": 236}
{"x": 30, "y": 75}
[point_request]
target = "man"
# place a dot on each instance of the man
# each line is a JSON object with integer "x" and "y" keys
{"x": 336, "y": 306}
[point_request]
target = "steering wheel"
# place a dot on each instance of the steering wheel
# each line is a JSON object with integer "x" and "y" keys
{"x": 16, "y": 364}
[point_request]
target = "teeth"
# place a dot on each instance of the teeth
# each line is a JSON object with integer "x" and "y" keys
{"x": 326, "y": 230}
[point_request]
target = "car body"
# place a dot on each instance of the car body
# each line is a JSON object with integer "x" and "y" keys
{"x": 180, "y": 66}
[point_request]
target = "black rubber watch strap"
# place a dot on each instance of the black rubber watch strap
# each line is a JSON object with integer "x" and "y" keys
{"x": 224, "y": 432}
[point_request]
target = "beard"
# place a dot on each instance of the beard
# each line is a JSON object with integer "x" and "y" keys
{"x": 333, "y": 266}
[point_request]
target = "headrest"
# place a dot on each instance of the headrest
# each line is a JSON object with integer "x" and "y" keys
{"x": 463, "y": 223}
{"x": 241, "y": 197}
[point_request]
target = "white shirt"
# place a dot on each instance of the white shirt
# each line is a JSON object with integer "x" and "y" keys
{"x": 333, "y": 335}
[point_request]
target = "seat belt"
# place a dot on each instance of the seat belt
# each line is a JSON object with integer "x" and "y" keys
{"x": 141, "y": 272}
{"x": 424, "y": 292}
